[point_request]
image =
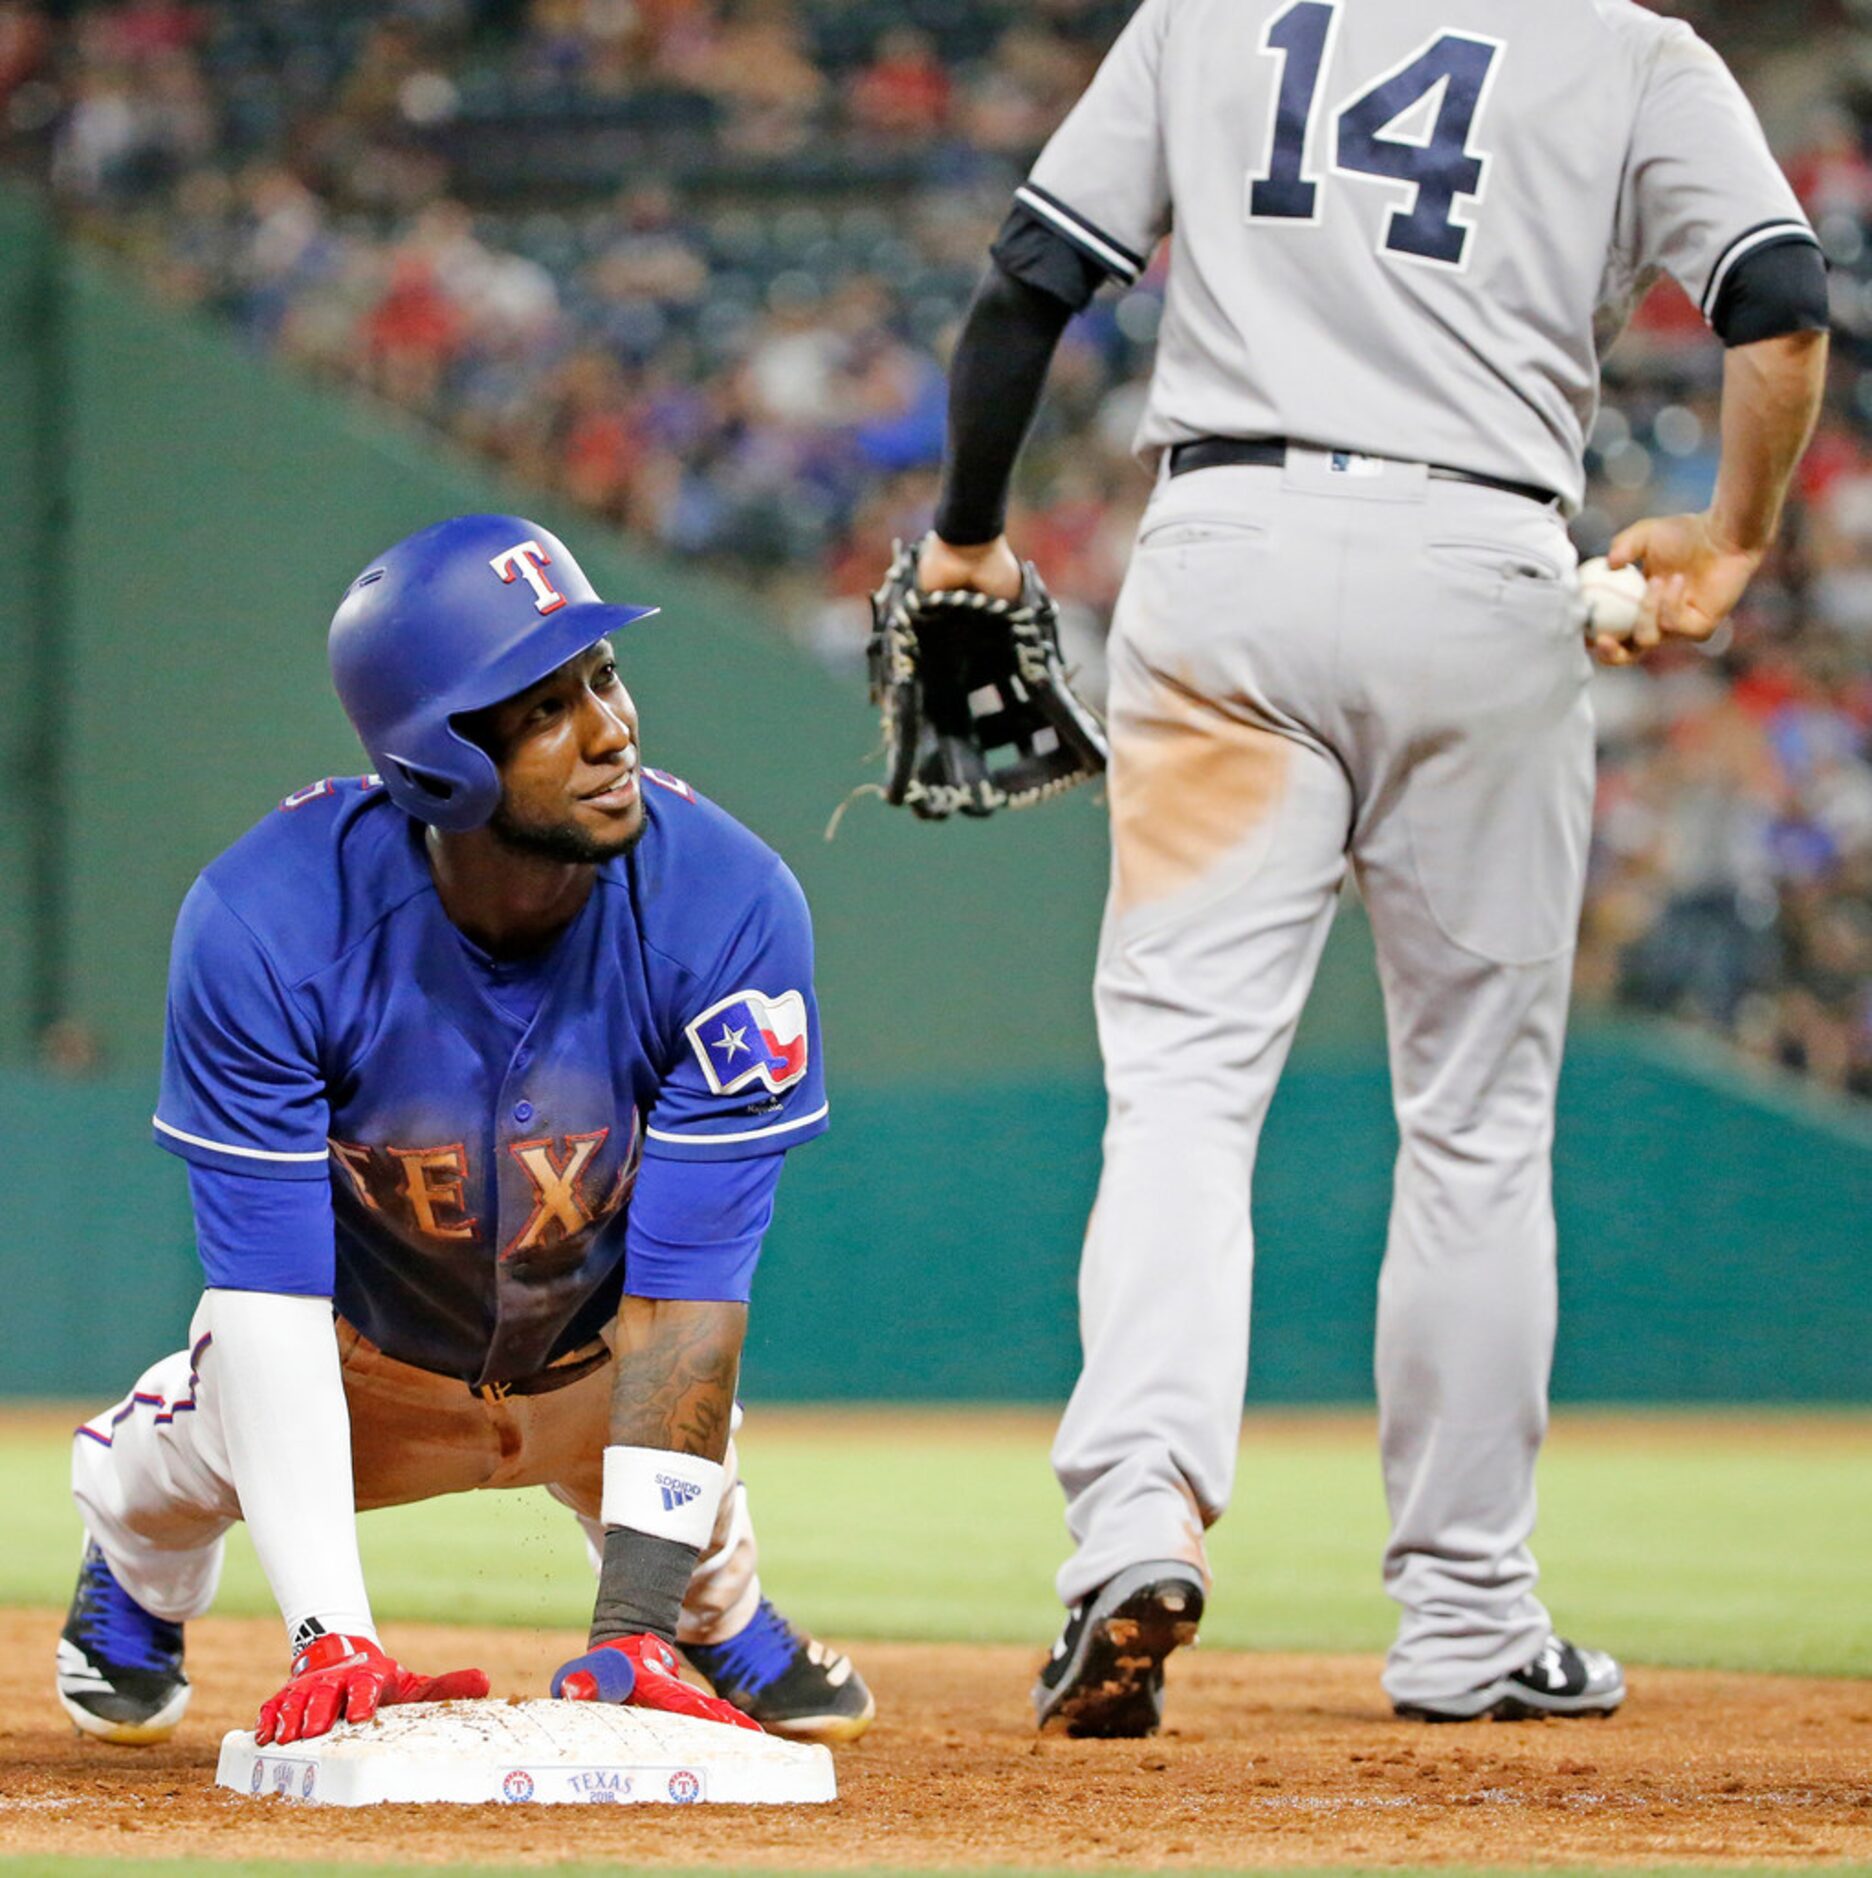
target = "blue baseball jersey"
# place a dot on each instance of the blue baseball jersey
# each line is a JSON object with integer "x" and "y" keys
{"x": 477, "y": 1128}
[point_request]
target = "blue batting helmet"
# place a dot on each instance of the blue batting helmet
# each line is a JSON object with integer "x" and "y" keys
{"x": 452, "y": 620}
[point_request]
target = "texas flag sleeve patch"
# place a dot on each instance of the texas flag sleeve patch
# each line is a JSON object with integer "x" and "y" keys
{"x": 751, "y": 1038}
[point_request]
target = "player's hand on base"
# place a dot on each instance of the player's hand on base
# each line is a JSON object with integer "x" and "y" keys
{"x": 1693, "y": 579}
{"x": 641, "y": 1671}
{"x": 337, "y": 1678}
{"x": 992, "y": 568}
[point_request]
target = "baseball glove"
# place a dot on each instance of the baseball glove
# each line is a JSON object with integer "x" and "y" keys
{"x": 978, "y": 713}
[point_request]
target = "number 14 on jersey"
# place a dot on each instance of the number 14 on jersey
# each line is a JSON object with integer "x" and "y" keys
{"x": 1442, "y": 87}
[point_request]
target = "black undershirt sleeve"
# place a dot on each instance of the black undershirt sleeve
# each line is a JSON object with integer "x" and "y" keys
{"x": 1036, "y": 281}
{"x": 1044, "y": 257}
{"x": 1776, "y": 290}
{"x": 995, "y": 380}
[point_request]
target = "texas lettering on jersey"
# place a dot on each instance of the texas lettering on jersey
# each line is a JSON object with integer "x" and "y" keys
{"x": 427, "y": 1187}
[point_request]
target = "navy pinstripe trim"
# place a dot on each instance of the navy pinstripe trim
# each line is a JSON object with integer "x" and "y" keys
{"x": 1113, "y": 256}
{"x": 1762, "y": 235}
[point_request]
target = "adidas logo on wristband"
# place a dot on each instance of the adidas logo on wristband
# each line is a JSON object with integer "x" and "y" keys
{"x": 677, "y": 1492}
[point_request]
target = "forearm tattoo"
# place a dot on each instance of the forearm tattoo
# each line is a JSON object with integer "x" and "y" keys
{"x": 677, "y": 1366}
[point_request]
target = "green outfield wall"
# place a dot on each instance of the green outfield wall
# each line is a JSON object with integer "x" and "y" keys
{"x": 30, "y": 594}
{"x": 181, "y": 518}
{"x": 1714, "y": 1239}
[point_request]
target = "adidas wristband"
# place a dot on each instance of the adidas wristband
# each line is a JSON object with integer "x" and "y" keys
{"x": 663, "y": 1494}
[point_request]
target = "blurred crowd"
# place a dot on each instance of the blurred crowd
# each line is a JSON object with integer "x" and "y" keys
{"x": 697, "y": 264}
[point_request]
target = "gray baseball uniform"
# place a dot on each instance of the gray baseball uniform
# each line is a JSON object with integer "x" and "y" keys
{"x": 1403, "y": 231}
{"x": 1408, "y": 228}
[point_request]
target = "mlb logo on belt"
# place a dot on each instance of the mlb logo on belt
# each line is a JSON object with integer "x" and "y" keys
{"x": 750, "y": 1038}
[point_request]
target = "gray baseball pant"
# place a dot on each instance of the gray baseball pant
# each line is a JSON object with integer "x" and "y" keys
{"x": 1341, "y": 660}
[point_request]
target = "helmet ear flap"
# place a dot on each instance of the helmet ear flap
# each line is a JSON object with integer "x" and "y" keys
{"x": 437, "y": 790}
{"x": 453, "y": 800}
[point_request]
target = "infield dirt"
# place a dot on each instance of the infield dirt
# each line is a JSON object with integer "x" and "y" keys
{"x": 1268, "y": 1760}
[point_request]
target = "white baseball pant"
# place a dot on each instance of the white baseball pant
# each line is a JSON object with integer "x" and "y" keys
{"x": 1344, "y": 659}
{"x": 153, "y": 1485}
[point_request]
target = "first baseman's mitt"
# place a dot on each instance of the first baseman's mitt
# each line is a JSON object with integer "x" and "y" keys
{"x": 978, "y": 714}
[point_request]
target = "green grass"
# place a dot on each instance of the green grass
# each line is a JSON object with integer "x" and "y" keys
{"x": 1667, "y": 1542}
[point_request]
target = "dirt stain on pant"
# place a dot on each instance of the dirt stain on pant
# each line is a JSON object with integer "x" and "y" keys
{"x": 1191, "y": 782}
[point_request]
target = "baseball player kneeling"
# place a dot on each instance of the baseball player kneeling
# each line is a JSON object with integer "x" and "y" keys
{"x": 484, "y": 1068}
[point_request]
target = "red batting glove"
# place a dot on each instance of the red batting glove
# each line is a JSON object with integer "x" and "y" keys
{"x": 641, "y": 1671}
{"x": 336, "y": 1678}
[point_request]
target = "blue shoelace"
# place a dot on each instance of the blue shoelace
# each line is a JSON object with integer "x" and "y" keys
{"x": 760, "y": 1655}
{"x": 113, "y": 1626}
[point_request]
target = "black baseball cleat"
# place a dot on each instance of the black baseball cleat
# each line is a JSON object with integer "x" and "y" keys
{"x": 1106, "y": 1673}
{"x": 1562, "y": 1680}
{"x": 792, "y": 1685}
{"x": 119, "y": 1668}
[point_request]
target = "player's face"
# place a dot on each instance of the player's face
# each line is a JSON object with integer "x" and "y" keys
{"x": 567, "y": 754}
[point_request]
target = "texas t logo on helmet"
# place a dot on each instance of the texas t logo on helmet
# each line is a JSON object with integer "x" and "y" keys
{"x": 527, "y": 560}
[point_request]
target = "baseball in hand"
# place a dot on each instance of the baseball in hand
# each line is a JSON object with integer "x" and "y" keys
{"x": 1613, "y": 598}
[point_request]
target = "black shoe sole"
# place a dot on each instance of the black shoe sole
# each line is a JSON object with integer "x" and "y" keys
{"x": 1117, "y": 1693}
{"x": 833, "y": 1727}
{"x": 1511, "y": 1708}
